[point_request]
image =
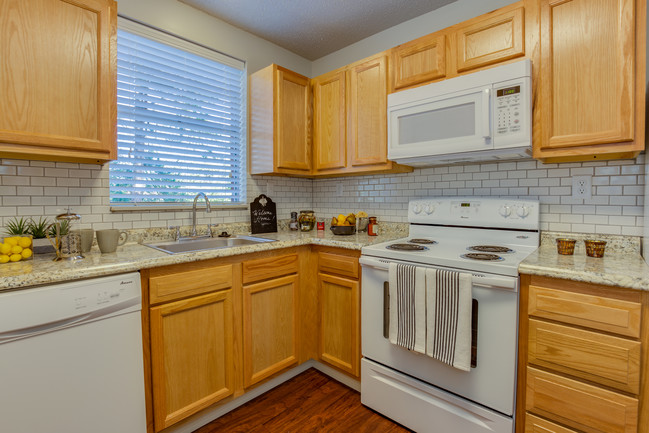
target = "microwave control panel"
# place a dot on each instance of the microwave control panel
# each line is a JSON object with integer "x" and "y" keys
{"x": 509, "y": 112}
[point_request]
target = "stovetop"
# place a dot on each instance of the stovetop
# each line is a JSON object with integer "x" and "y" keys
{"x": 444, "y": 230}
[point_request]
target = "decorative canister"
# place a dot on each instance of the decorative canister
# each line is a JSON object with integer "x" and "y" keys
{"x": 306, "y": 220}
{"x": 595, "y": 248}
{"x": 566, "y": 246}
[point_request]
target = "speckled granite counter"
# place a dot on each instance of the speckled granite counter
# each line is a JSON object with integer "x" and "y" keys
{"x": 133, "y": 257}
{"x": 622, "y": 264}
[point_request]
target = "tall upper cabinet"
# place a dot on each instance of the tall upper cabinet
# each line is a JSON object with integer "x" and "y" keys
{"x": 58, "y": 74}
{"x": 280, "y": 119}
{"x": 591, "y": 80}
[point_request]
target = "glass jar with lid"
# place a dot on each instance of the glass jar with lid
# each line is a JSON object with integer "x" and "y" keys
{"x": 306, "y": 220}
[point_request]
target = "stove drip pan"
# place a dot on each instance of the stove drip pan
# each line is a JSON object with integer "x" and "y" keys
{"x": 422, "y": 241}
{"x": 482, "y": 256}
{"x": 490, "y": 249}
{"x": 406, "y": 247}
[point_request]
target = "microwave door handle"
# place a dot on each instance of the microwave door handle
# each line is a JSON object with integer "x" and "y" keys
{"x": 486, "y": 112}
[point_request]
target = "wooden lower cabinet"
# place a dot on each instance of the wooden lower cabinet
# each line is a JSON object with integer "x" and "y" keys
{"x": 193, "y": 355}
{"x": 581, "y": 354}
{"x": 270, "y": 318}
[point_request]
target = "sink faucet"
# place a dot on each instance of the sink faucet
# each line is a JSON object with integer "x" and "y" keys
{"x": 207, "y": 209}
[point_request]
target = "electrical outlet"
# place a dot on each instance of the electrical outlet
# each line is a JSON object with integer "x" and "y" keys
{"x": 339, "y": 189}
{"x": 582, "y": 187}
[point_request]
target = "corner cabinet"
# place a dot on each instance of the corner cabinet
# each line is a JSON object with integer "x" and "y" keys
{"x": 58, "y": 78}
{"x": 280, "y": 113}
{"x": 592, "y": 80}
{"x": 581, "y": 353}
{"x": 349, "y": 117}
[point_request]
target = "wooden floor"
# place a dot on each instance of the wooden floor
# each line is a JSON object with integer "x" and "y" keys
{"x": 310, "y": 402}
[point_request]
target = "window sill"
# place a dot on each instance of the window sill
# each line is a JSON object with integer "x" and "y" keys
{"x": 151, "y": 207}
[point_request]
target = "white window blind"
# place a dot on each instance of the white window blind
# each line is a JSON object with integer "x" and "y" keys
{"x": 180, "y": 121}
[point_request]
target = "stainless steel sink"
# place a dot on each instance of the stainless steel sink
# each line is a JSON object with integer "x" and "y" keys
{"x": 200, "y": 244}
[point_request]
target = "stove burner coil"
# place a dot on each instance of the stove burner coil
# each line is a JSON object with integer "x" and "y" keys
{"x": 422, "y": 241}
{"x": 482, "y": 256}
{"x": 490, "y": 249}
{"x": 406, "y": 247}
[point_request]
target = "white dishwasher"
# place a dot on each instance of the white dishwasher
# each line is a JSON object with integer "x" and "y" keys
{"x": 71, "y": 358}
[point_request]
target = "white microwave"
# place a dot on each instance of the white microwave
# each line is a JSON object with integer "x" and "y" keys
{"x": 481, "y": 116}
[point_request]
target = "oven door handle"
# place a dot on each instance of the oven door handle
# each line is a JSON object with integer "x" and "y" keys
{"x": 479, "y": 280}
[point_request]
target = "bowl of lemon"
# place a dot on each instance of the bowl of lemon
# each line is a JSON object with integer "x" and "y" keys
{"x": 343, "y": 224}
{"x": 16, "y": 249}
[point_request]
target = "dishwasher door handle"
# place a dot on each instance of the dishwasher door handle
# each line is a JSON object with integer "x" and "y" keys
{"x": 8, "y": 336}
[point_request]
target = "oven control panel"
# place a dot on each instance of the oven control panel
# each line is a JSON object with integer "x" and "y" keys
{"x": 475, "y": 212}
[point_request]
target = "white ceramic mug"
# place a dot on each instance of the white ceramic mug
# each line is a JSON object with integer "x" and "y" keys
{"x": 109, "y": 239}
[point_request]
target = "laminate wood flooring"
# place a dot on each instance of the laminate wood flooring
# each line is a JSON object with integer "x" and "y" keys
{"x": 310, "y": 402}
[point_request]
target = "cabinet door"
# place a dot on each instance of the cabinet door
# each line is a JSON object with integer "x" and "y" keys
{"x": 490, "y": 40}
{"x": 58, "y": 79}
{"x": 270, "y": 328}
{"x": 366, "y": 109}
{"x": 192, "y": 355}
{"x": 588, "y": 79}
{"x": 339, "y": 322}
{"x": 329, "y": 125}
{"x": 418, "y": 61}
{"x": 293, "y": 110}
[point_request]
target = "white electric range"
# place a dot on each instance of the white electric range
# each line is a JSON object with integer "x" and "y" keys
{"x": 487, "y": 237}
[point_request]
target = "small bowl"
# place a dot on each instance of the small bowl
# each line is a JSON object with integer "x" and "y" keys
{"x": 566, "y": 246}
{"x": 343, "y": 230}
{"x": 595, "y": 248}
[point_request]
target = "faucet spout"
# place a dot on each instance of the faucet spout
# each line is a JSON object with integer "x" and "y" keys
{"x": 207, "y": 209}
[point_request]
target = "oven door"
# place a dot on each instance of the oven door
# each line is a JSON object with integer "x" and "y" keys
{"x": 491, "y": 382}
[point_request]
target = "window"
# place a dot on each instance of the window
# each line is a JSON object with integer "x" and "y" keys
{"x": 180, "y": 121}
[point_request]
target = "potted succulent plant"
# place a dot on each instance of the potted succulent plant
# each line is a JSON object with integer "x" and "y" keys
{"x": 17, "y": 245}
{"x": 38, "y": 229}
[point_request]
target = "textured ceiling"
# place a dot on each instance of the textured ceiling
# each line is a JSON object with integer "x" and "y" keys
{"x": 315, "y": 28}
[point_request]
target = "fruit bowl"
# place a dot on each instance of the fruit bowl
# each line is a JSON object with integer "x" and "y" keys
{"x": 16, "y": 248}
{"x": 343, "y": 230}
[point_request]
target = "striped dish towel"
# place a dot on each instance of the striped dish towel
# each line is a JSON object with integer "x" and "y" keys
{"x": 448, "y": 318}
{"x": 407, "y": 292}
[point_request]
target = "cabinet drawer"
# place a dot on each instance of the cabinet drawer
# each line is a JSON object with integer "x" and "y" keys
{"x": 271, "y": 267}
{"x": 534, "y": 424}
{"x": 336, "y": 264}
{"x": 600, "y": 358}
{"x": 579, "y": 405}
{"x": 597, "y": 312}
{"x": 190, "y": 283}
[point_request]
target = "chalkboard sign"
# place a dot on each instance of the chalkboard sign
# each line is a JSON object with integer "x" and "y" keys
{"x": 263, "y": 215}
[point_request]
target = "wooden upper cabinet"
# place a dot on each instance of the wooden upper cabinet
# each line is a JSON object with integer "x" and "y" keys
{"x": 494, "y": 38}
{"x": 329, "y": 122}
{"x": 592, "y": 79}
{"x": 280, "y": 113}
{"x": 58, "y": 75}
{"x": 420, "y": 61}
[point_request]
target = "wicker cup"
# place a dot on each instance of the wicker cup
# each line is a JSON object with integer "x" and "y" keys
{"x": 566, "y": 246}
{"x": 595, "y": 248}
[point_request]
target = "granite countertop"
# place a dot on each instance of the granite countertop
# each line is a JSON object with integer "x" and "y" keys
{"x": 622, "y": 264}
{"x": 135, "y": 256}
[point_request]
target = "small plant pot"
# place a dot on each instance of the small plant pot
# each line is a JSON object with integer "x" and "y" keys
{"x": 43, "y": 246}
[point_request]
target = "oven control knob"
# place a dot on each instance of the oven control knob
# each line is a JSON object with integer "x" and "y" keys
{"x": 429, "y": 208}
{"x": 505, "y": 211}
{"x": 416, "y": 209}
{"x": 523, "y": 211}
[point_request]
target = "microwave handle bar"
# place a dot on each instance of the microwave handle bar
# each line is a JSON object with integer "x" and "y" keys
{"x": 486, "y": 110}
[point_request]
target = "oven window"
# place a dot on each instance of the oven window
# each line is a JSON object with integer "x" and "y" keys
{"x": 474, "y": 323}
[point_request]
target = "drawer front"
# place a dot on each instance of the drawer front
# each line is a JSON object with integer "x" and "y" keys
{"x": 268, "y": 268}
{"x": 579, "y": 405}
{"x": 165, "y": 288}
{"x": 600, "y": 358}
{"x": 335, "y": 264}
{"x": 597, "y": 312}
{"x": 534, "y": 424}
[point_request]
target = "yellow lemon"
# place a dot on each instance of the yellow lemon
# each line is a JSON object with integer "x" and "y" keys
{"x": 5, "y": 249}
{"x": 26, "y": 253}
{"x": 15, "y": 257}
{"x": 4, "y": 258}
{"x": 16, "y": 249}
{"x": 25, "y": 242}
{"x": 11, "y": 241}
